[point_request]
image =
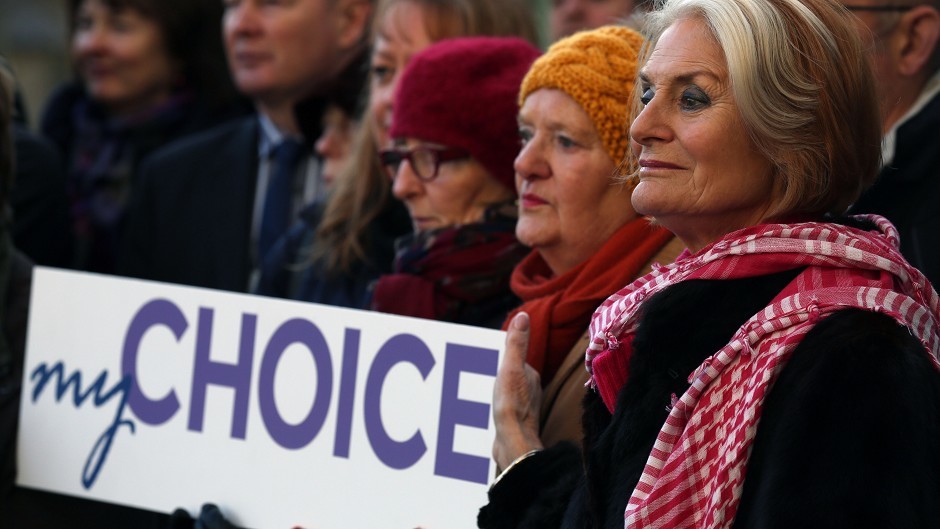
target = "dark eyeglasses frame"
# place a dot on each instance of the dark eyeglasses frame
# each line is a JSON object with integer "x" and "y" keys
{"x": 880, "y": 8}
{"x": 392, "y": 158}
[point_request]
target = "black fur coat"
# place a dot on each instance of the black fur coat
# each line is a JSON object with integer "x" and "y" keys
{"x": 849, "y": 436}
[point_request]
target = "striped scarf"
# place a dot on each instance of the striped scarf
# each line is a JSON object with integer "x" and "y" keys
{"x": 695, "y": 472}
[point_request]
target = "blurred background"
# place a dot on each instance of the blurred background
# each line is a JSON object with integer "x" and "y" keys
{"x": 33, "y": 37}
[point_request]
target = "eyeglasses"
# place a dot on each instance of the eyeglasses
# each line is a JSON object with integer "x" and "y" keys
{"x": 425, "y": 161}
{"x": 879, "y": 8}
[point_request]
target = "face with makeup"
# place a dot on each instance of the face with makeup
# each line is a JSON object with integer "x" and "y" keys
{"x": 452, "y": 192}
{"x": 569, "y": 203}
{"x": 700, "y": 174}
{"x": 122, "y": 57}
{"x": 401, "y": 34}
{"x": 335, "y": 142}
{"x": 570, "y": 16}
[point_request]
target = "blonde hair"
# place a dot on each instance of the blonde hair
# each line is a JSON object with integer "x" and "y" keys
{"x": 804, "y": 90}
{"x": 362, "y": 191}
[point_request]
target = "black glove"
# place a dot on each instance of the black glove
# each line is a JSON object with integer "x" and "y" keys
{"x": 210, "y": 517}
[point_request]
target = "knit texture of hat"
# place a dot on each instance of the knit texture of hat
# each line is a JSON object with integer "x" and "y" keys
{"x": 462, "y": 93}
{"x": 597, "y": 68}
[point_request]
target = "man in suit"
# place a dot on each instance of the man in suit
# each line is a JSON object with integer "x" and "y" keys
{"x": 903, "y": 38}
{"x": 207, "y": 207}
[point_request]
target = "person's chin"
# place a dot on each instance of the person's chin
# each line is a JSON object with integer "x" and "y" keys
{"x": 423, "y": 224}
{"x": 530, "y": 233}
{"x": 253, "y": 84}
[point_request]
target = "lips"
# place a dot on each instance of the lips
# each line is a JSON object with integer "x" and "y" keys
{"x": 657, "y": 164}
{"x": 96, "y": 69}
{"x": 531, "y": 200}
{"x": 250, "y": 59}
{"x": 422, "y": 223}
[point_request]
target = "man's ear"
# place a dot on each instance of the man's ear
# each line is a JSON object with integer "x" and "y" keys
{"x": 354, "y": 17}
{"x": 921, "y": 35}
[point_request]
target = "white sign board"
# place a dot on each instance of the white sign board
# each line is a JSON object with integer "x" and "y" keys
{"x": 283, "y": 413}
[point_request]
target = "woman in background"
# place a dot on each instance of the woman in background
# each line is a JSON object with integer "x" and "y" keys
{"x": 148, "y": 72}
{"x": 587, "y": 240}
{"x": 453, "y": 135}
{"x": 336, "y": 253}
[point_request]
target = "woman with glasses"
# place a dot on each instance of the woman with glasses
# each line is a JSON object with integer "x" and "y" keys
{"x": 338, "y": 250}
{"x": 451, "y": 164}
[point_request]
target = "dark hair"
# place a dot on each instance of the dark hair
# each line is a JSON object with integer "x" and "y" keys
{"x": 192, "y": 32}
{"x": 7, "y": 87}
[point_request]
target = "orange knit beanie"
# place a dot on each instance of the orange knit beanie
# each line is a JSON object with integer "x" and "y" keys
{"x": 597, "y": 68}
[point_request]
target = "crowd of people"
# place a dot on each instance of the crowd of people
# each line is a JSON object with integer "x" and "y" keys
{"x": 705, "y": 226}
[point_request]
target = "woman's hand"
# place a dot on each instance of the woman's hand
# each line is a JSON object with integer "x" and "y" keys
{"x": 517, "y": 397}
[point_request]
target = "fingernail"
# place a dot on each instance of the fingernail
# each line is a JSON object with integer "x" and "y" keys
{"x": 521, "y": 322}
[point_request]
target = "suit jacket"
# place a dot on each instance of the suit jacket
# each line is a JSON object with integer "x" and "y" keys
{"x": 190, "y": 216}
{"x": 907, "y": 191}
{"x": 41, "y": 227}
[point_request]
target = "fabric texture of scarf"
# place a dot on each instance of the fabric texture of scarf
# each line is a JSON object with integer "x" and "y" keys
{"x": 456, "y": 274}
{"x": 105, "y": 153}
{"x": 560, "y": 307}
{"x": 695, "y": 473}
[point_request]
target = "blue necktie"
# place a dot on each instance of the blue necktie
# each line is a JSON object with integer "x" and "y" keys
{"x": 277, "y": 201}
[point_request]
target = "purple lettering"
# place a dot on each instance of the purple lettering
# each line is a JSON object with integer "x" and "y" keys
{"x": 153, "y": 313}
{"x": 462, "y": 359}
{"x": 236, "y": 376}
{"x": 398, "y": 349}
{"x": 306, "y": 333}
{"x": 347, "y": 394}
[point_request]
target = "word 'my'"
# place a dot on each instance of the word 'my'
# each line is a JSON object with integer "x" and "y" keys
{"x": 41, "y": 376}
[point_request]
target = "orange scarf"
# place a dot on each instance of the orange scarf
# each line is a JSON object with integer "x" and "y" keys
{"x": 560, "y": 308}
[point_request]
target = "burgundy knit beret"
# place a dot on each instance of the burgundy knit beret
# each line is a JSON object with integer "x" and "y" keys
{"x": 463, "y": 93}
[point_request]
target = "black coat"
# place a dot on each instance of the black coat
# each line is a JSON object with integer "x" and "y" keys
{"x": 848, "y": 436}
{"x": 190, "y": 216}
{"x": 290, "y": 272}
{"x": 41, "y": 226}
{"x": 907, "y": 191}
{"x": 97, "y": 244}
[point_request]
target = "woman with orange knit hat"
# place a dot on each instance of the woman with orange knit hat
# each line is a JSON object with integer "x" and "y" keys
{"x": 574, "y": 210}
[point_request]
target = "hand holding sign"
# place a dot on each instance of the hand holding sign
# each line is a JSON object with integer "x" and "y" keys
{"x": 517, "y": 397}
{"x": 210, "y": 517}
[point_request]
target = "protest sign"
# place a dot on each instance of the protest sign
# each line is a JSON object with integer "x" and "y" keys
{"x": 283, "y": 413}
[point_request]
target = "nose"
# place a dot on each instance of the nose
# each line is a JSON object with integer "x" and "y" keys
{"x": 381, "y": 106}
{"x": 406, "y": 185}
{"x": 650, "y": 125}
{"x": 570, "y": 9}
{"x": 387, "y": 93}
{"x": 90, "y": 40}
{"x": 326, "y": 145}
{"x": 241, "y": 19}
{"x": 531, "y": 163}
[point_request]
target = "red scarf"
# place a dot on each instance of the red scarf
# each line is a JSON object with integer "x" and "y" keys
{"x": 695, "y": 472}
{"x": 447, "y": 274}
{"x": 560, "y": 307}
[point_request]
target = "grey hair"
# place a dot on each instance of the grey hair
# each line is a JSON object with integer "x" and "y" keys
{"x": 804, "y": 91}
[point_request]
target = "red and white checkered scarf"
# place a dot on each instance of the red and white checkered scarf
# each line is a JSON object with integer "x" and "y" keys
{"x": 695, "y": 472}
